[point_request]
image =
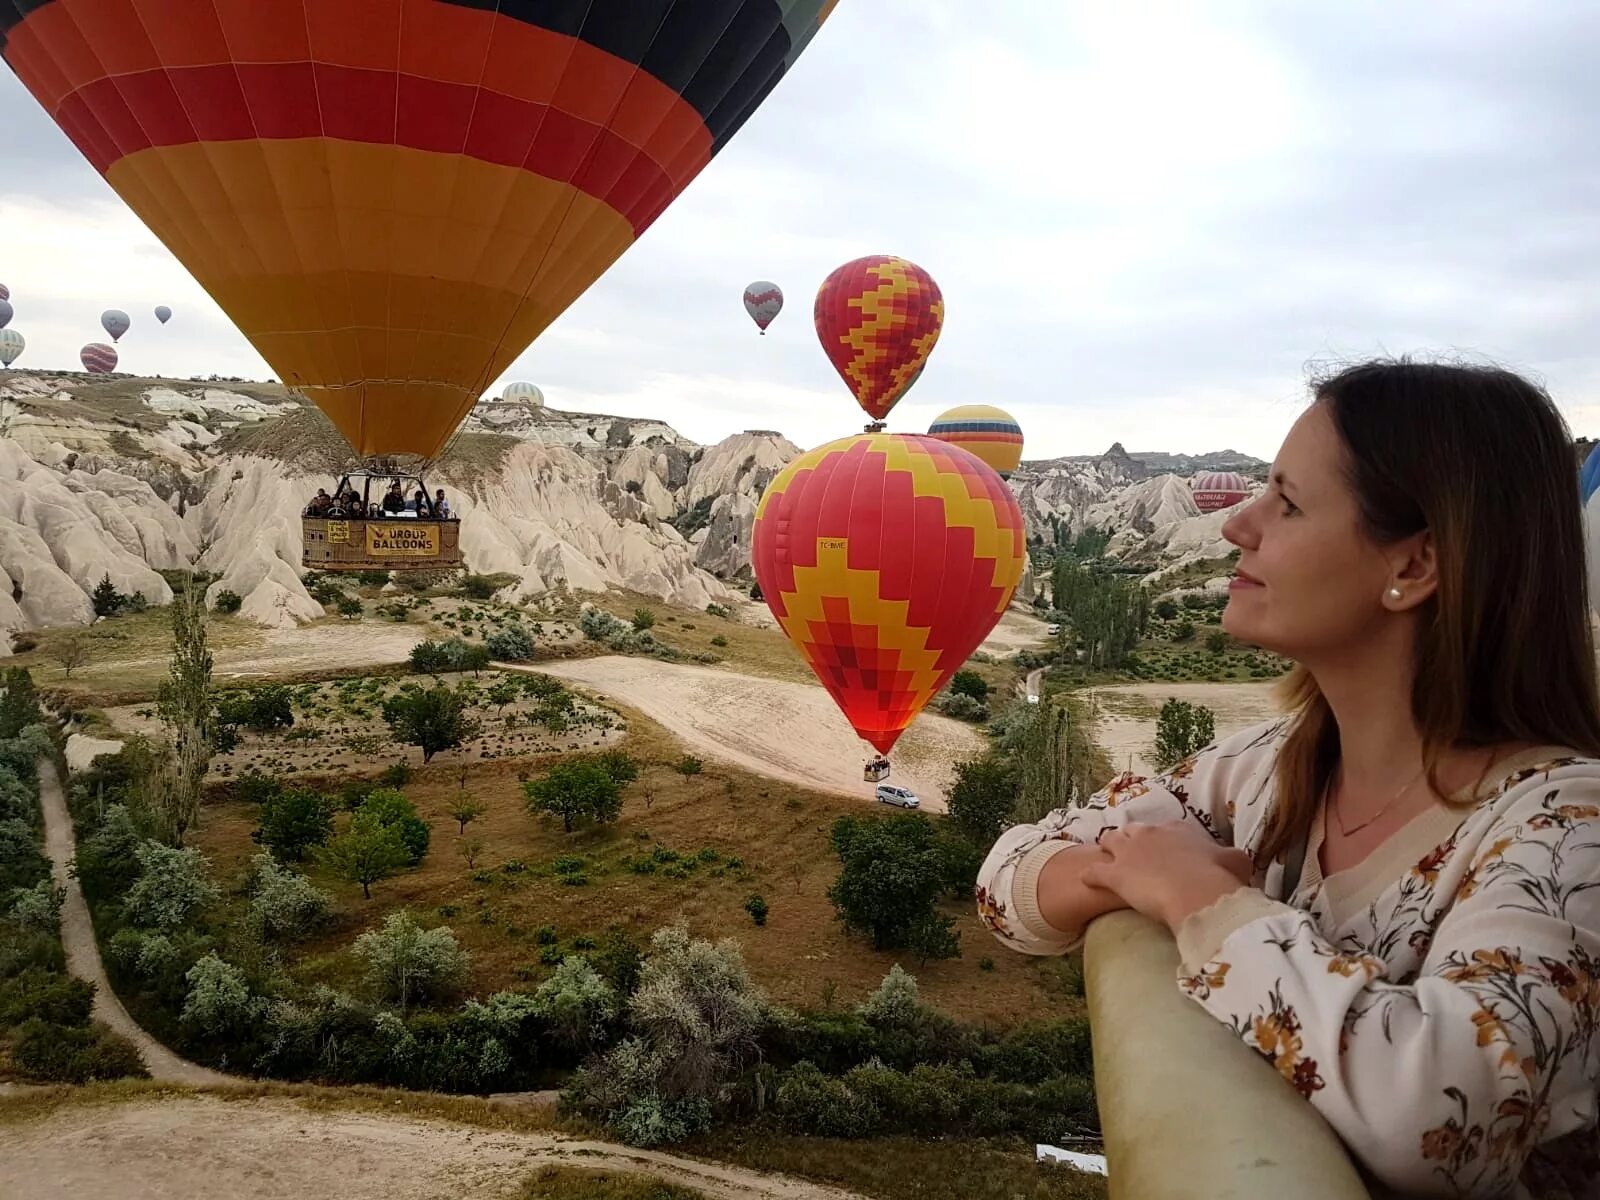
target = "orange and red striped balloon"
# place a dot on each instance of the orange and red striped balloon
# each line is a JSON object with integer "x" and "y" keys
{"x": 392, "y": 198}
{"x": 887, "y": 559}
{"x": 878, "y": 319}
{"x": 98, "y": 358}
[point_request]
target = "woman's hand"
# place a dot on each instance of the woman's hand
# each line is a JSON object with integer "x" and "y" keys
{"x": 1167, "y": 871}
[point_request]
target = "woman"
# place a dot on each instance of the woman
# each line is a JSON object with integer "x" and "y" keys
{"x": 1394, "y": 892}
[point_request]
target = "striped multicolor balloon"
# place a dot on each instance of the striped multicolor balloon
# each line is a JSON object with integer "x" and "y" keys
{"x": 6, "y": 313}
{"x": 991, "y": 433}
{"x": 12, "y": 344}
{"x": 98, "y": 358}
{"x": 523, "y": 393}
{"x": 878, "y": 319}
{"x": 887, "y": 559}
{"x": 1216, "y": 490}
{"x": 392, "y": 198}
{"x": 763, "y": 300}
{"x": 5, "y": 292}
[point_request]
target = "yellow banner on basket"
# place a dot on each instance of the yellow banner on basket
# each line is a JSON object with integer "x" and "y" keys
{"x": 402, "y": 539}
{"x": 338, "y": 531}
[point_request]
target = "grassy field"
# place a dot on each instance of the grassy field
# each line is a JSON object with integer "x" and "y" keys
{"x": 716, "y": 837}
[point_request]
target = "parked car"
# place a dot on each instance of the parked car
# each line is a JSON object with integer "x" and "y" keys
{"x": 1053, "y": 630}
{"x": 900, "y": 797}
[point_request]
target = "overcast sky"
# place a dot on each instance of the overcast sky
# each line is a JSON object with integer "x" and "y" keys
{"x": 1147, "y": 220}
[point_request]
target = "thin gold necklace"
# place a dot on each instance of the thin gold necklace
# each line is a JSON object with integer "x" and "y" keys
{"x": 1395, "y": 800}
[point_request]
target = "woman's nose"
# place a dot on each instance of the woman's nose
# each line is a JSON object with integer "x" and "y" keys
{"x": 1240, "y": 529}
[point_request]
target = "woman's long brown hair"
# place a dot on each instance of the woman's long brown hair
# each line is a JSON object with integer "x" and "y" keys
{"x": 1482, "y": 459}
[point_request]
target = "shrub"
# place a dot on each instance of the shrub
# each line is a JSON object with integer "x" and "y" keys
{"x": 395, "y": 775}
{"x": 808, "y": 1102}
{"x": 479, "y": 587}
{"x": 689, "y": 765}
{"x": 1217, "y": 643}
{"x": 1166, "y": 609}
{"x": 576, "y": 1003}
{"x": 366, "y": 853}
{"x": 718, "y": 610}
{"x": 964, "y": 708}
{"x": 293, "y": 822}
{"x": 255, "y": 788}
{"x": 643, "y": 619}
{"x": 757, "y": 908}
{"x": 55, "y": 1053}
{"x": 407, "y": 963}
{"x": 22, "y": 863}
{"x": 969, "y": 683}
{"x": 172, "y": 888}
{"x": 350, "y": 607}
{"x": 38, "y": 909}
{"x": 286, "y": 904}
{"x": 45, "y": 995}
{"x": 219, "y": 1001}
{"x": 227, "y": 601}
{"x": 262, "y": 709}
{"x": 896, "y": 1002}
{"x": 511, "y": 644}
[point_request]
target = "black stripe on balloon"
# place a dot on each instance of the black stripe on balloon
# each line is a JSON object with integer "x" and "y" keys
{"x": 12, "y": 14}
{"x": 721, "y": 56}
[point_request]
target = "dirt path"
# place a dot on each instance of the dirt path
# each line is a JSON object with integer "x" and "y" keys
{"x": 197, "y": 1148}
{"x": 789, "y": 731}
{"x": 1126, "y": 725}
{"x": 83, "y": 953}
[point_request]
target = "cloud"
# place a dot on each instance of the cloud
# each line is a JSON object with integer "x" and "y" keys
{"x": 1147, "y": 220}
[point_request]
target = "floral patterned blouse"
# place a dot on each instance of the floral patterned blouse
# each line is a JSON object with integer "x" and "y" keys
{"x": 1447, "y": 1029}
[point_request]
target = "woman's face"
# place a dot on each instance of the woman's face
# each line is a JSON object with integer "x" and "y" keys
{"x": 1309, "y": 582}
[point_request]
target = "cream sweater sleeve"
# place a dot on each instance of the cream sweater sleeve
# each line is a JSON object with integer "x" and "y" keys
{"x": 1202, "y": 790}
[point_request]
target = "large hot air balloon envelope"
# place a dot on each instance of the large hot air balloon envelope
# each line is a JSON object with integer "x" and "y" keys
{"x": 991, "y": 433}
{"x": 6, "y": 313}
{"x": 887, "y": 559}
{"x": 763, "y": 300}
{"x": 98, "y": 358}
{"x": 163, "y": 313}
{"x": 878, "y": 319}
{"x": 392, "y": 198}
{"x": 1216, "y": 490}
{"x": 523, "y": 393}
{"x": 12, "y": 344}
{"x": 115, "y": 322}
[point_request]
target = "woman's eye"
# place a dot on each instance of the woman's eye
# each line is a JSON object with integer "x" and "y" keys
{"x": 1289, "y": 507}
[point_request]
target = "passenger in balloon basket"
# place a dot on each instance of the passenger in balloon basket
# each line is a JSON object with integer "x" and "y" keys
{"x": 394, "y": 500}
{"x": 1392, "y": 893}
{"x": 441, "y": 506}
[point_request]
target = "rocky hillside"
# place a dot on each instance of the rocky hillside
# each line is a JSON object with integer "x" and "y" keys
{"x": 126, "y": 477}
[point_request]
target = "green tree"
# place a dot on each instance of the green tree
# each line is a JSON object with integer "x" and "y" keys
{"x": 1183, "y": 630}
{"x": 464, "y": 810}
{"x": 1059, "y": 767}
{"x": 406, "y": 962}
{"x": 934, "y": 936}
{"x": 1166, "y": 609}
{"x": 504, "y": 692}
{"x": 173, "y": 887}
{"x": 621, "y": 766}
{"x": 984, "y": 797}
{"x": 188, "y": 710}
{"x": 293, "y": 822}
{"x": 71, "y": 652}
{"x": 390, "y": 808}
{"x": 1182, "y": 730}
{"x": 366, "y": 853}
{"x": 433, "y": 720}
{"x": 350, "y": 607}
{"x": 19, "y": 706}
{"x": 892, "y": 870}
{"x": 583, "y": 789}
{"x": 756, "y": 906}
{"x": 1217, "y": 643}
{"x": 106, "y": 599}
{"x": 969, "y": 683}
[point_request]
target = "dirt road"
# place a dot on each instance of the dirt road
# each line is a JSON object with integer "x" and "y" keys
{"x": 788, "y": 731}
{"x": 199, "y": 1147}
{"x": 83, "y": 954}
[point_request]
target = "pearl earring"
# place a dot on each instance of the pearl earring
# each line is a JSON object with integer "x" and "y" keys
{"x": 1394, "y": 593}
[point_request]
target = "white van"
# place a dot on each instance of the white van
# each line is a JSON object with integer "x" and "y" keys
{"x": 1053, "y": 630}
{"x": 900, "y": 797}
